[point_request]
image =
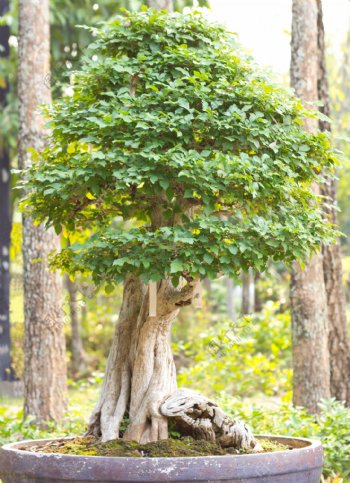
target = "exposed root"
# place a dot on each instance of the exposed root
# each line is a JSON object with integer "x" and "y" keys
{"x": 201, "y": 418}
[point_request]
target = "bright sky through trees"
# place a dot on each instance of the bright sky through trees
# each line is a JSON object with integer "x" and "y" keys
{"x": 264, "y": 26}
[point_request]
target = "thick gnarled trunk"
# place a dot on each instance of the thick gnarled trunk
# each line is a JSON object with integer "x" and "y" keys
{"x": 140, "y": 369}
{"x": 140, "y": 378}
{"x": 153, "y": 369}
{"x": 115, "y": 394}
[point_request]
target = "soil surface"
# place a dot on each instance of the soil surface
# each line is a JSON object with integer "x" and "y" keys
{"x": 90, "y": 446}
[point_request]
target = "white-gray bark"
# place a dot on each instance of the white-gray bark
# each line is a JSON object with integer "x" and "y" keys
{"x": 247, "y": 293}
{"x": 231, "y": 310}
{"x": 140, "y": 369}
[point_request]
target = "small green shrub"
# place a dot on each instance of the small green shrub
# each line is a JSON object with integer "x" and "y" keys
{"x": 249, "y": 357}
{"x": 331, "y": 426}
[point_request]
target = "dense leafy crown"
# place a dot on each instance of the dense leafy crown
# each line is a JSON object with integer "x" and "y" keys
{"x": 173, "y": 131}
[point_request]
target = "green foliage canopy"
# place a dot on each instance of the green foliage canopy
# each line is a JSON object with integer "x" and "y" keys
{"x": 171, "y": 129}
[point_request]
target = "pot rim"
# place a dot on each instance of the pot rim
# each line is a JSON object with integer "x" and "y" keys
{"x": 313, "y": 444}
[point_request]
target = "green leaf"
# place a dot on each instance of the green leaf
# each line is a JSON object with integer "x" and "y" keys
{"x": 208, "y": 258}
{"x": 164, "y": 184}
{"x": 176, "y": 266}
{"x": 184, "y": 103}
{"x": 58, "y": 229}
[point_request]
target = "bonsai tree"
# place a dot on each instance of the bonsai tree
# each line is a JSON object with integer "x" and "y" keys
{"x": 174, "y": 132}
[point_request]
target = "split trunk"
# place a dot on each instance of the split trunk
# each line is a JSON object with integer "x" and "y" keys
{"x": 140, "y": 371}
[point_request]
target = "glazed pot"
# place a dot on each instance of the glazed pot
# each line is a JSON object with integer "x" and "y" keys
{"x": 302, "y": 464}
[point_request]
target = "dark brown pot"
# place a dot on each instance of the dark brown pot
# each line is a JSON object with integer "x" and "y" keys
{"x": 303, "y": 464}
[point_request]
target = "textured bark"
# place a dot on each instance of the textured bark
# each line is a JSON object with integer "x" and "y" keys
{"x": 45, "y": 363}
{"x": 153, "y": 372}
{"x": 140, "y": 378}
{"x": 308, "y": 293}
{"x": 78, "y": 364}
{"x": 201, "y": 418}
{"x": 140, "y": 372}
{"x": 311, "y": 381}
{"x": 161, "y": 4}
{"x": 115, "y": 394}
{"x": 339, "y": 347}
{"x": 5, "y": 225}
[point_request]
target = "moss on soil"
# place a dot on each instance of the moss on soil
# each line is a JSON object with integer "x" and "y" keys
{"x": 186, "y": 446}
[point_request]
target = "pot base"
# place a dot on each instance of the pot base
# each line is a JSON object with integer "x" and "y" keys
{"x": 303, "y": 464}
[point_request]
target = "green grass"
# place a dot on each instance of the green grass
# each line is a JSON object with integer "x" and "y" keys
{"x": 80, "y": 404}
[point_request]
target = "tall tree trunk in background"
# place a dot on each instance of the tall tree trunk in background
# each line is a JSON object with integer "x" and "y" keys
{"x": 246, "y": 305}
{"x": 310, "y": 329}
{"x": 5, "y": 223}
{"x": 231, "y": 312}
{"x": 161, "y": 4}
{"x": 45, "y": 358}
{"x": 78, "y": 355}
{"x": 258, "y": 305}
{"x": 339, "y": 347}
{"x": 208, "y": 295}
